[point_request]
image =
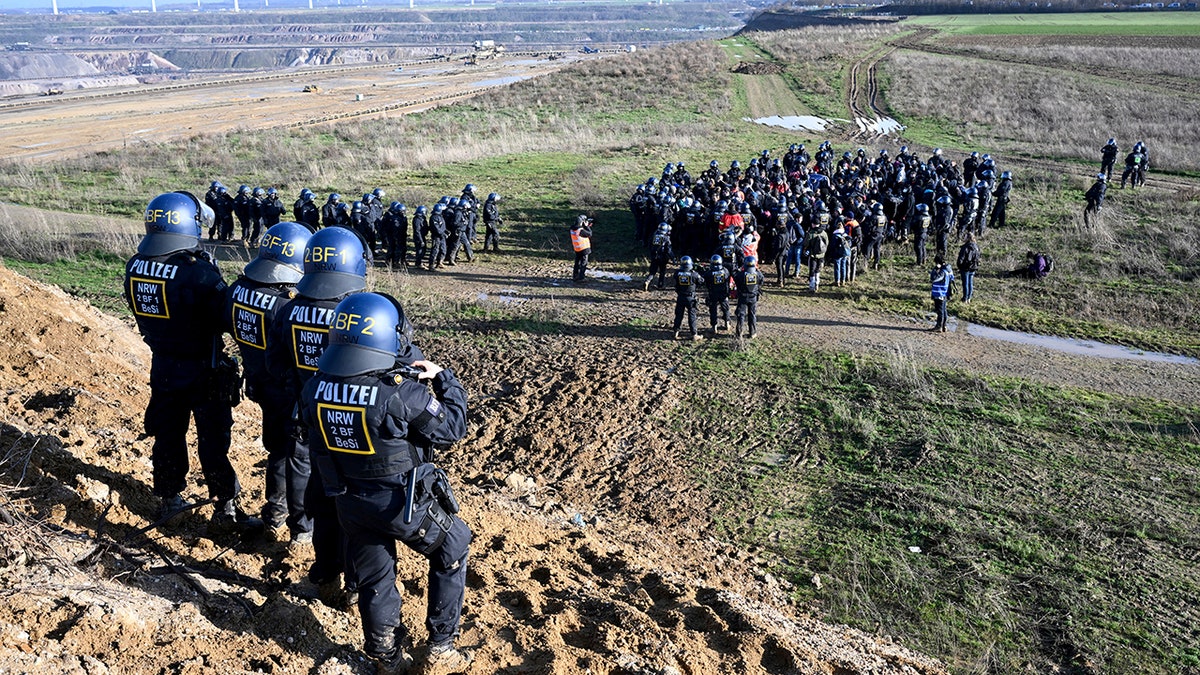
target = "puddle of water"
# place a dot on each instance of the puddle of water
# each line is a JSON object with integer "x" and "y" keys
{"x": 423, "y": 83}
{"x": 497, "y": 81}
{"x": 609, "y": 275}
{"x": 1073, "y": 345}
{"x": 502, "y": 297}
{"x": 793, "y": 122}
{"x": 881, "y": 125}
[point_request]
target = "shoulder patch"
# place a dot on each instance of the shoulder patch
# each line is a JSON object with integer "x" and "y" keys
{"x": 433, "y": 407}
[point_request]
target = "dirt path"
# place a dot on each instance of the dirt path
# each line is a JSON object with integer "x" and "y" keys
{"x": 90, "y": 121}
{"x": 827, "y": 320}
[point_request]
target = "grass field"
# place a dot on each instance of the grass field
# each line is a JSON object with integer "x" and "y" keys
{"x": 1056, "y": 526}
{"x": 1154, "y": 24}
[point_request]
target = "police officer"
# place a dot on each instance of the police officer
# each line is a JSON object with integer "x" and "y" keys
{"x": 222, "y": 206}
{"x": 436, "y": 241}
{"x": 1108, "y": 156}
{"x": 687, "y": 280}
{"x": 332, "y": 212}
{"x": 393, "y": 227}
{"x": 918, "y": 225}
{"x": 254, "y": 303}
{"x": 420, "y": 230}
{"x": 1000, "y": 194}
{"x": 177, "y": 296}
{"x": 373, "y": 430}
{"x": 716, "y": 282}
{"x": 491, "y": 222}
{"x": 749, "y": 283}
{"x": 243, "y": 203}
{"x": 306, "y": 212}
{"x": 335, "y": 265}
{"x": 581, "y": 242}
{"x": 273, "y": 210}
{"x": 210, "y": 198}
{"x": 661, "y": 254}
{"x": 258, "y": 216}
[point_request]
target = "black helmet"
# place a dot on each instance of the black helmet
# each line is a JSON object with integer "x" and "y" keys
{"x": 366, "y": 335}
{"x": 356, "y": 207}
{"x": 280, "y": 255}
{"x": 174, "y": 221}
{"x": 335, "y": 263}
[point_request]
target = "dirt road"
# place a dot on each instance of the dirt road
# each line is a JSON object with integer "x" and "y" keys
{"x": 88, "y": 121}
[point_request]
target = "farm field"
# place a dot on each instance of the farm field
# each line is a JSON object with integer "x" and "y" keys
{"x": 846, "y": 493}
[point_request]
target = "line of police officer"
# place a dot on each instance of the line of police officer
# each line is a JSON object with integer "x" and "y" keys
{"x": 343, "y": 389}
{"x": 437, "y": 234}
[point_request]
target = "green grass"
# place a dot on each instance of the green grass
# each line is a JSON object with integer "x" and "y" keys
{"x": 1151, "y": 24}
{"x": 1054, "y": 525}
{"x": 93, "y": 276}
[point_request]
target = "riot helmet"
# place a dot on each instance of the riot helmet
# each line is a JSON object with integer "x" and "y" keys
{"x": 174, "y": 221}
{"x": 259, "y": 192}
{"x": 280, "y": 255}
{"x": 378, "y": 193}
{"x": 335, "y": 263}
{"x": 367, "y": 333}
{"x": 685, "y": 263}
{"x": 396, "y": 207}
{"x": 715, "y": 260}
{"x": 493, "y": 197}
{"x": 750, "y": 261}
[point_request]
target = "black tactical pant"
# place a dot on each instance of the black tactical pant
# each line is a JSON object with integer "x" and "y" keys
{"x": 685, "y": 303}
{"x": 288, "y": 466}
{"x": 178, "y": 391}
{"x": 747, "y": 313}
{"x": 720, "y": 303}
{"x": 437, "y": 251}
{"x": 374, "y": 522}
{"x": 491, "y": 236}
{"x": 581, "y": 264}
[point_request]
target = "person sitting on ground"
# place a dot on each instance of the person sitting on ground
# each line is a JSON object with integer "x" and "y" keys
{"x": 1037, "y": 267}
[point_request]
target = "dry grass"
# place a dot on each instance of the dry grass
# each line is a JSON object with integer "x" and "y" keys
{"x": 1174, "y": 61}
{"x": 1007, "y": 107}
{"x": 815, "y": 43}
{"x": 38, "y": 235}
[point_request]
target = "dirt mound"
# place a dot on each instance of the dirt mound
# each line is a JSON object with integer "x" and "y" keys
{"x": 575, "y": 567}
{"x": 758, "y": 68}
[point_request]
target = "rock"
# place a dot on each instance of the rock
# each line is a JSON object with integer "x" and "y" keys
{"x": 816, "y": 581}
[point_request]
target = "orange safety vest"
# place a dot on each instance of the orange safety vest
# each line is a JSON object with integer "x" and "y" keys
{"x": 580, "y": 243}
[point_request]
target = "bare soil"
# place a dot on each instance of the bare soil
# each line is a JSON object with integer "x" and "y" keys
{"x": 87, "y": 121}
